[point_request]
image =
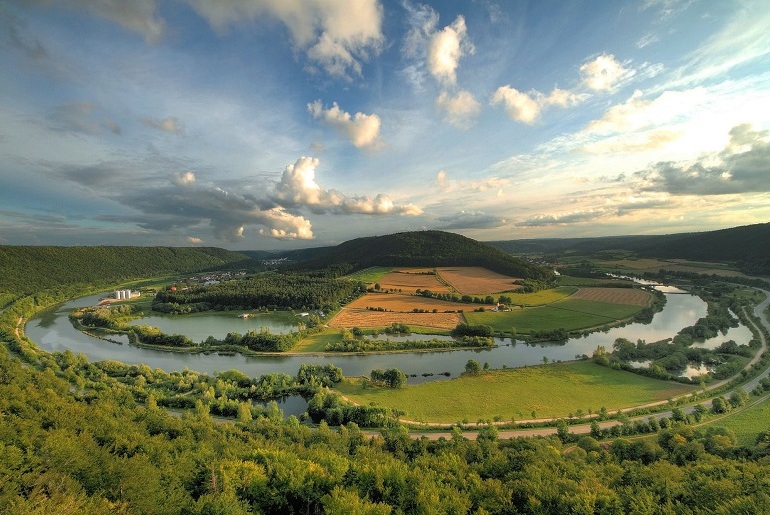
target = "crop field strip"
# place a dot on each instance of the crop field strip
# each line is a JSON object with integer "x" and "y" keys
{"x": 367, "y": 318}
{"x": 628, "y": 296}
{"x": 473, "y": 280}
{"x": 411, "y": 280}
{"x": 401, "y": 303}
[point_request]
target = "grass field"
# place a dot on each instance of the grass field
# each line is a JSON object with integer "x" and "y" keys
{"x": 318, "y": 342}
{"x": 369, "y": 275}
{"x": 550, "y": 391}
{"x": 566, "y": 280}
{"x": 568, "y": 314}
{"x": 542, "y": 297}
{"x": 629, "y": 296}
{"x": 748, "y": 423}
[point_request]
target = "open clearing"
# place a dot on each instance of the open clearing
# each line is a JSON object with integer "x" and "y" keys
{"x": 366, "y": 318}
{"x": 474, "y": 280}
{"x": 550, "y": 391}
{"x": 409, "y": 280}
{"x": 630, "y": 296}
{"x": 369, "y": 275}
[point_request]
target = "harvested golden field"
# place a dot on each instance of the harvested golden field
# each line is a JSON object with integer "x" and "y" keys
{"x": 628, "y": 296}
{"x": 365, "y": 318}
{"x": 410, "y": 280}
{"x": 408, "y": 303}
{"x": 474, "y": 280}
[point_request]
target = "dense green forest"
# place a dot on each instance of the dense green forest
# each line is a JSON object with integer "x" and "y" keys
{"x": 99, "y": 451}
{"x": 424, "y": 248}
{"x": 270, "y": 290}
{"x": 747, "y": 246}
{"x": 25, "y": 269}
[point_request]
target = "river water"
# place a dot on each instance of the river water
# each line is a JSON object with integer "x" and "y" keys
{"x": 52, "y": 331}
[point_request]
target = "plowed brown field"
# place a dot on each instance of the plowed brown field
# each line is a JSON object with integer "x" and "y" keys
{"x": 408, "y": 303}
{"x": 470, "y": 280}
{"x": 629, "y": 296}
{"x": 412, "y": 279}
{"x": 365, "y": 318}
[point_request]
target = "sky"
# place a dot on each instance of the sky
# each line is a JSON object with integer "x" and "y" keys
{"x": 279, "y": 124}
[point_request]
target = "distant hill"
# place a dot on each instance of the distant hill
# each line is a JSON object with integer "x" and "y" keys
{"x": 27, "y": 269}
{"x": 747, "y": 246}
{"x": 422, "y": 248}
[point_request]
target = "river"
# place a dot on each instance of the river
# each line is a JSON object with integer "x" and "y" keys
{"x": 52, "y": 331}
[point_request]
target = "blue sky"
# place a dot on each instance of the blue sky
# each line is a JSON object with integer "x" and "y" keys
{"x": 275, "y": 124}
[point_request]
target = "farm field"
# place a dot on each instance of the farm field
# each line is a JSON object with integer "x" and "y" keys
{"x": 568, "y": 314}
{"x": 674, "y": 265}
{"x": 629, "y": 296}
{"x": 542, "y": 297}
{"x": 370, "y": 275}
{"x": 474, "y": 280}
{"x": 408, "y": 303}
{"x": 366, "y": 318}
{"x": 409, "y": 280}
{"x": 748, "y": 423}
{"x": 517, "y": 393}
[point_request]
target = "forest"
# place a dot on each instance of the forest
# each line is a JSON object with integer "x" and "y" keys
{"x": 270, "y": 290}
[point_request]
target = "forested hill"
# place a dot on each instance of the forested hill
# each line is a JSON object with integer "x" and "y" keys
{"x": 26, "y": 269}
{"x": 748, "y": 246}
{"x": 424, "y": 248}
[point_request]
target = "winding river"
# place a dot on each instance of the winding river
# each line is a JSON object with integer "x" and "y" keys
{"x": 52, "y": 331}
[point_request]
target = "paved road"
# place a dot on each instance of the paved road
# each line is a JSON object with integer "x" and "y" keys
{"x": 759, "y": 312}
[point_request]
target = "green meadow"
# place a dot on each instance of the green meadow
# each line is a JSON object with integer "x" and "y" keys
{"x": 569, "y": 314}
{"x": 550, "y": 391}
{"x": 748, "y": 423}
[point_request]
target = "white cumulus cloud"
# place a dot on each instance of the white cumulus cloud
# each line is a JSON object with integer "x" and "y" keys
{"x": 460, "y": 110}
{"x": 526, "y": 107}
{"x": 604, "y": 72}
{"x": 298, "y": 188}
{"x": 361, "y": 129}
{"x": 445, "y": 49}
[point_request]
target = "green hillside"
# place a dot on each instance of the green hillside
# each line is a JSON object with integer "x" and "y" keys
{"x": 26, "y": 269}
{"x": 424, "y": 248}
{"x": 747, "y": 246}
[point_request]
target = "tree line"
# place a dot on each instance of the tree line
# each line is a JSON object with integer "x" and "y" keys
{"x": 272, "y": 291}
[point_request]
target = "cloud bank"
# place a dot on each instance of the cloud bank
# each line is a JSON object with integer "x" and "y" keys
{"x": 298, "y": 188}
{"x": 336, "y": 35}
{"x": 742, "y": 167}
